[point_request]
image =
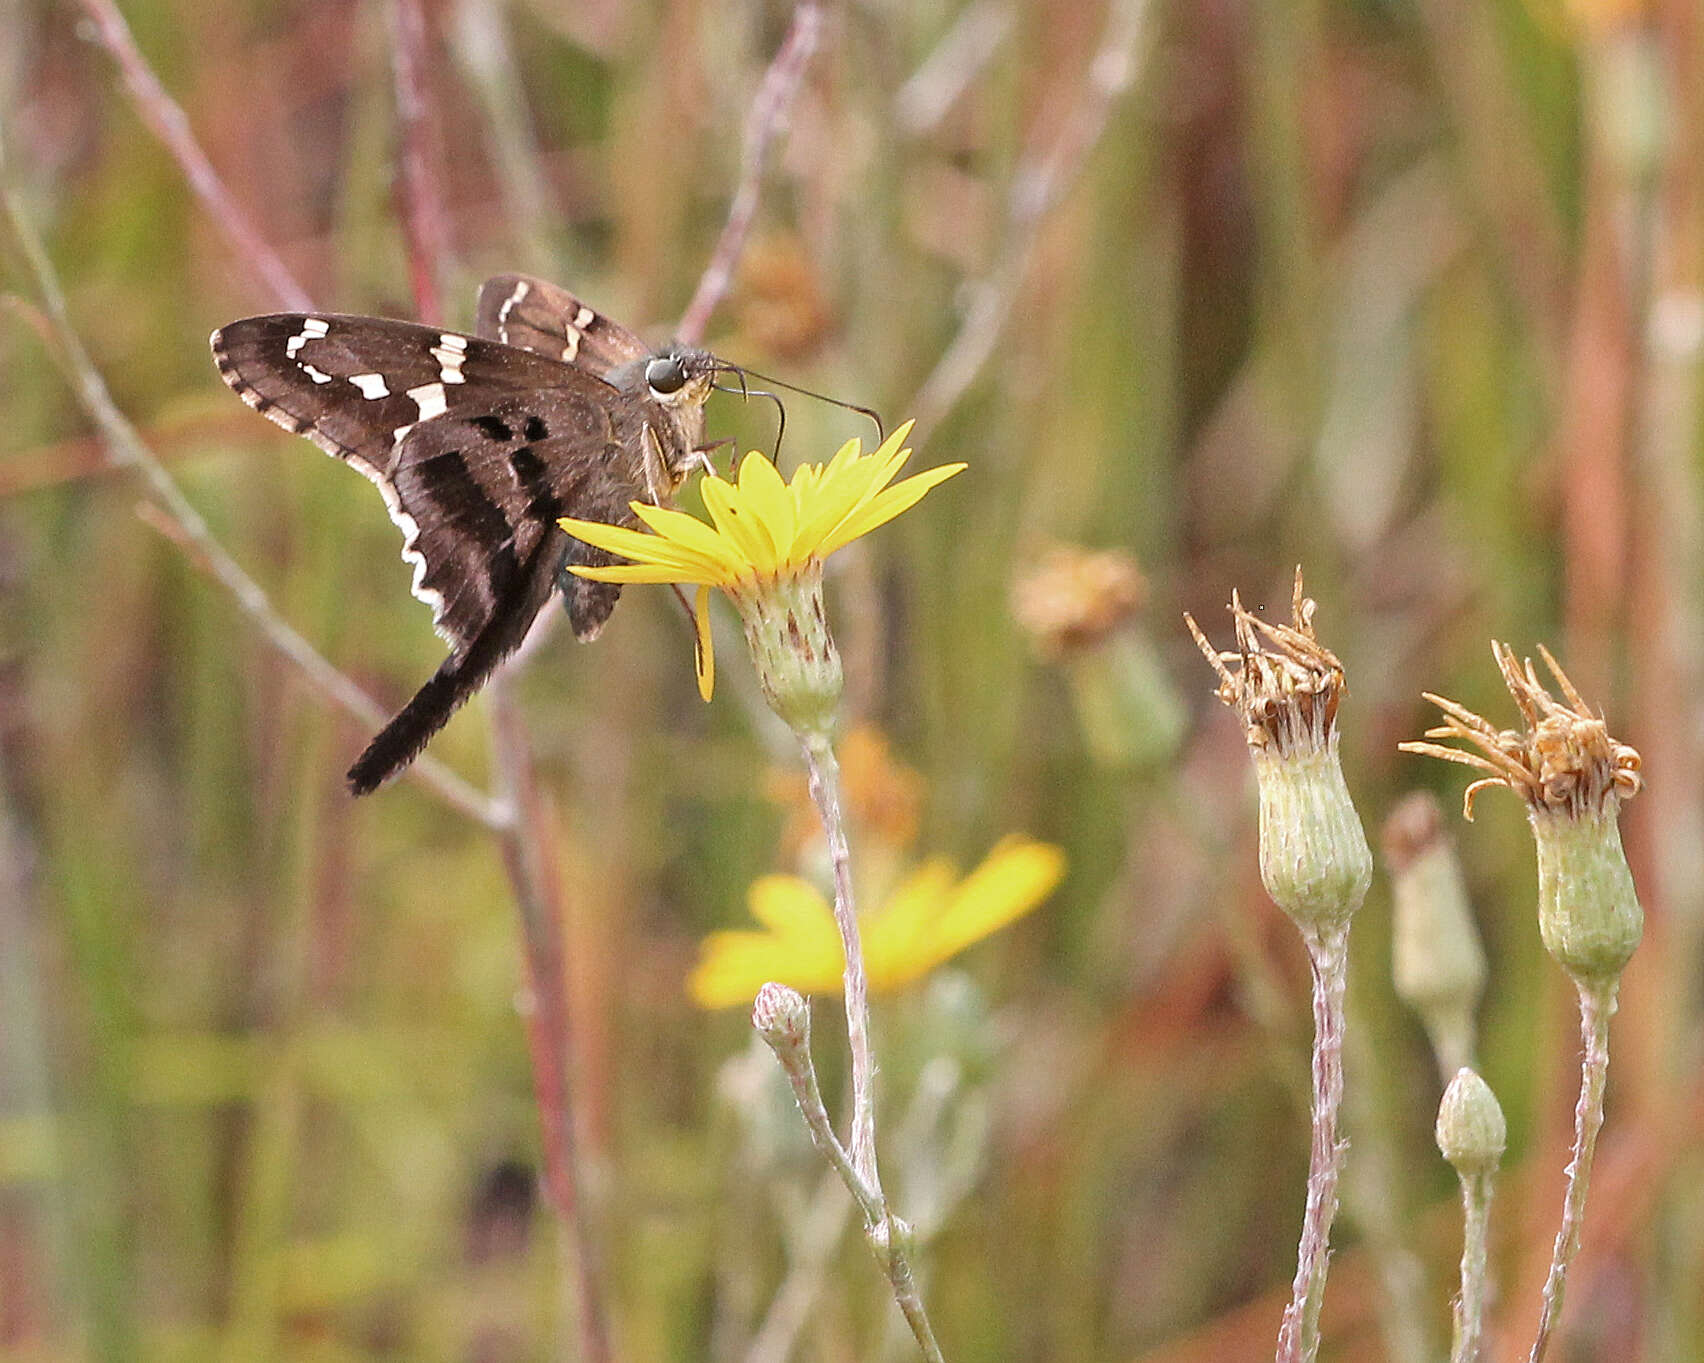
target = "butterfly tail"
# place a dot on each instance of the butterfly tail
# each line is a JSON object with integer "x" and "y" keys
{"x": 400, "y": 741}
{"x": 462, "y": 673}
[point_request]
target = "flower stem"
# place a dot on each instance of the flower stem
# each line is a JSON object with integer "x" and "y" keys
{"x": 824, "y": 772}
{"x": 1597, "y": 1004}
{"x": 1298, "y": 1335}
{"x": 888, "y": 1236}
{"x": 1470, "y": 1306}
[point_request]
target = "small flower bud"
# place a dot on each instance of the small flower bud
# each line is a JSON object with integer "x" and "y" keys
{"x": 1436, "y": 957}
{"x": 1471, "y": 1131}
{"x": 783, "y": 1019}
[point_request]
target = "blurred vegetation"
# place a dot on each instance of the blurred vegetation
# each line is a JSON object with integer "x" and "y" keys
{"x": 1407, "y": 291}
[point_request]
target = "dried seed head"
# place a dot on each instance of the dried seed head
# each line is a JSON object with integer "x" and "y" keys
{"x": 1573, "y": 777}
{"x": 1075, "y": 598}
{"x": 1280, "y": 679}
{"x": 1563, "y": 760}
{"x": 1286, "y": 686}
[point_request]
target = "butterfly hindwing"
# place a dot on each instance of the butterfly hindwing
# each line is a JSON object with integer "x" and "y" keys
{"x": 482, "y": 490}
{"x": 546, "y": 319}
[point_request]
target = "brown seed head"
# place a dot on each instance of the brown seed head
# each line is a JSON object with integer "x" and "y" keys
{"x": 1562, "y": 761}
{"x": 1074, "y": 598}
{"x": 1284, "y": 683}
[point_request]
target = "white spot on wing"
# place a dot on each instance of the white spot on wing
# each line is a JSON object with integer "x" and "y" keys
{"x": 574, "y": 330}
{"x": 450, "y": 352}
{"x": 429, "y": 398}
{"x": 371, "y": 385}
{"x": 522, "y": 289}
{"x": 317, "y": 375}
{"x": 312, "y": 329}
{"x": 410, "y": 540}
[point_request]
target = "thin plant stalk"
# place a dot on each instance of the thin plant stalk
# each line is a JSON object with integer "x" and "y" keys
{"x": 1597, "y": 1003}
{"x": 769, "y": 108}
{"x": 1470, "y": 1305}
{"x": 888, "y": 1236}
{"x": 527, "y": 843}
{"x": 170, "y": 124}
{"x": 425, "y": 223}
{"x": 527, "y": 850}
{"x": 824, "y": 772}
{"x": 1298, "y": 1334}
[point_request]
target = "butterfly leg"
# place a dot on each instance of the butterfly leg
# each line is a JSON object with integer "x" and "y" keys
{"x": 700, "y": 457}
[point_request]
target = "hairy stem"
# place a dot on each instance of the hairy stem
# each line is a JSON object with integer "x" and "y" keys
{"x": 824, "y": 772}
{"x": 1597, "y": 1003}
{"x": 1470, "y": 1306}
{"x": 1298, "y": 1335}
{"x": 889, "y": 1237}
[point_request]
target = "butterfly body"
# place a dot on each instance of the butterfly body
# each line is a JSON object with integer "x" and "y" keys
{"x": 478, "y": 444}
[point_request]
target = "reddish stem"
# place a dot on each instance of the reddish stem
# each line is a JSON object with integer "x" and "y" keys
{"x": 170, "y": 124}
{"x": 424, "y": 222}
{"x": 775, "y": 95}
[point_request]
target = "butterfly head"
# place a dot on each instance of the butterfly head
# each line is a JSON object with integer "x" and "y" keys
{"x": 680, "y": 377}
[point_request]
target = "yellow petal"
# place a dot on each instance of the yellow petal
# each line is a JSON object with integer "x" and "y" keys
{"x": 733, "y": 966}
{"x": 792, "y": 908}
{"x": 835, "y": 500}
{"x": 768, "y": 502}
{"x": 886, "y": 505}
{"x": 748, "y": 543}
{"x": 1014, "y": 877}
{"x": 631, "y": 572}
{"x": 618, "y": 539}
{"x": 703, "y": 646}
{"x": 687, "y": 532}
{"x": 681, "y": 562}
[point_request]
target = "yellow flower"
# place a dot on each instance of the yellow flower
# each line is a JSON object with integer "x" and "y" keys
{"x": 930, "y": 917}
{"x": 766, "y": 540}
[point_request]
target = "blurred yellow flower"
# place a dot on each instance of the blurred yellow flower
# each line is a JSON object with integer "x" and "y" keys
{"x": 930, "y": 917}
{"x": 764, "y": 532}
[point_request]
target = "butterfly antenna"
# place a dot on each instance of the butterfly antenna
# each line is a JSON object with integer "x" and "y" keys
{"x": 875, "y": 418}
{"x": 749, "y": 393}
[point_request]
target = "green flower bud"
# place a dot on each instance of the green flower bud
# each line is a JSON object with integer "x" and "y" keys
{"x": 1471, "y": 1132}
{"x": 1436, "y": 959}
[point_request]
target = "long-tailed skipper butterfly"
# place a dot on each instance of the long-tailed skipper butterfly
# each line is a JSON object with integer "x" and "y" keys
{"x": 478, "y": 444}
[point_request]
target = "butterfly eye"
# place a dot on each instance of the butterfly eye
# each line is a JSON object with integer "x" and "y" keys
{"x": 665, "y": 374}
